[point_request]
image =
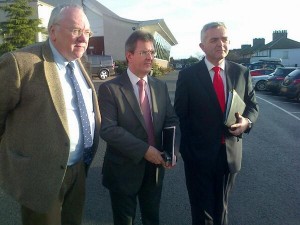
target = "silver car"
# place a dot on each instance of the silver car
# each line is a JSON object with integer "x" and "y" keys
{"x": 260, "y": 82}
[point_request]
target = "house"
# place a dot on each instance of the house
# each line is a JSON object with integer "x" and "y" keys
{"x": 281, "y": 47}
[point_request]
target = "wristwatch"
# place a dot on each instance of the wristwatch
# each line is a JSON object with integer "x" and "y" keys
{"x": 249, "y": 123}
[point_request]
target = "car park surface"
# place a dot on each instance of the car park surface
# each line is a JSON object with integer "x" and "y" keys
{"x": 268, "y": 164}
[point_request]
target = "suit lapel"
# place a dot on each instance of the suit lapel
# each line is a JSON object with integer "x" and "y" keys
{"x": 230, "y": 80}
{"x": 54, "y": 85}
{"x": 155, "y": 92}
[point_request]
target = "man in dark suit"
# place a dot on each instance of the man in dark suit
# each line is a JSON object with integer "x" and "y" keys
{"x": 133, "y": 165}
{"x": 212, "y": 153}
{"x": 44, "y": 155}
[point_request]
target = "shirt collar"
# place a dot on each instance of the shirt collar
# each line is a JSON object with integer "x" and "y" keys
{"x": 134, "y": 79}
{"x": 210, "y": 65}
{"x": 60, "y": 61}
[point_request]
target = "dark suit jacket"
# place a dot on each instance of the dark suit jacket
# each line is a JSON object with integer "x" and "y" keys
{"x": 124, "y": 130}
{"x": 201, "y": 118}
{"x": 34, "y": 133}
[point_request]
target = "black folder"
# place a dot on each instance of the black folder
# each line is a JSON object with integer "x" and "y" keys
{"x": 234, "y": 104}
{"x": 168, "y": 145}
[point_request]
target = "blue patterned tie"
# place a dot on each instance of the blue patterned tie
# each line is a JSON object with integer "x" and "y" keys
{"x": 85, "y": 123}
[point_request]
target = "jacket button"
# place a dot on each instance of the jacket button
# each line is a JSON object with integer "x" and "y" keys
{"x": 62, "y": 167}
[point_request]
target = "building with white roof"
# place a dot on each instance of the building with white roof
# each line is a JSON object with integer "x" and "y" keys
{"x": 110, "y": 31}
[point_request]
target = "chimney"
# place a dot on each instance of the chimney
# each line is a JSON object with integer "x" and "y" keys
{"x": 245, "y": 46}
{"x": 258, "y": 42}
{"x": 279, "y": 34}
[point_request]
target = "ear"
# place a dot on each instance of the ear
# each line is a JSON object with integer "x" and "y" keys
{"x": 202, "y": 46}
{"x": 129, "y": 56}
{"x": 52, "y": 35}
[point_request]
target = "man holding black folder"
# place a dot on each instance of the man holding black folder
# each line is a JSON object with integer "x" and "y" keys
{"x": 211, "y": 150}
{"x": 136, "y": 108}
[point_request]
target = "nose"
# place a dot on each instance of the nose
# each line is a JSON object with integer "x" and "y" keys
{"x": 83, "y": 38}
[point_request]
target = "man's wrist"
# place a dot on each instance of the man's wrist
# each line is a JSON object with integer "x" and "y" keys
{"x": 249, "y": 123}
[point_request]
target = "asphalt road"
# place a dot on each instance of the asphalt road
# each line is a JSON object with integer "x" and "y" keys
{"x": 267, "y": 190}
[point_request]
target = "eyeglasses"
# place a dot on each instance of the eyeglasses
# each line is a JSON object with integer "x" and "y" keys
{"x": 146, "y": 53}
{"x": 79, "y": 32}
{"x": 76, "y": 32}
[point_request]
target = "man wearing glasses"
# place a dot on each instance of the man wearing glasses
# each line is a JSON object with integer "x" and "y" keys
{"x": 135, "y": 108}
{"x": 49, "y": 122}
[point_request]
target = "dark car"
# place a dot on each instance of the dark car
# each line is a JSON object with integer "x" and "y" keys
{"x": 102, "y": 66}
{"x": 290, "y": 86}
{"x": 259, "y": 72}
{"x": 274, "y": 82}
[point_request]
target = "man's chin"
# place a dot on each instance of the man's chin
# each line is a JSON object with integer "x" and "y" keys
{"x": 78, "y": 54}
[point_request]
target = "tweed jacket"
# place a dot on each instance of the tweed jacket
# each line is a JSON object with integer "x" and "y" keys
{"x": 34, "y": 133}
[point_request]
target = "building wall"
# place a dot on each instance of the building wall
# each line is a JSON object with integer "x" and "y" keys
{"x": 116, "y": 34}
{"x": 95, "y": 18}
{"x": 43, "y": 12}
{"x": 290, "y": 57}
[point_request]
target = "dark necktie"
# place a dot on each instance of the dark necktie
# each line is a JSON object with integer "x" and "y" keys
{"x": 85, "y": 123}
{"x": 219, "y": 88}
{"x": 145, "y": 106}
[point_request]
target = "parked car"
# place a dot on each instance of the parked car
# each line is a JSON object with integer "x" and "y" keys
{"x": 102, "y": 66}
{"x": 262, "y": 71}
{"x": 264, "y": 64}
{"x": 274, "y": 82}
{"x": 259, "y": 82}
{"x": 290, "y": 86}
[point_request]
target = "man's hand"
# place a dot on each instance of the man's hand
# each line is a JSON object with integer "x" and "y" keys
{"x": 240, "y": 126}
{"x": 154, "y": 156}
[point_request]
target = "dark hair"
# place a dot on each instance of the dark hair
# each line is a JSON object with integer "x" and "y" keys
{"x": 136, "y": 36}
{"x": 56, "y": 13}
{"x": 209, "y": 26}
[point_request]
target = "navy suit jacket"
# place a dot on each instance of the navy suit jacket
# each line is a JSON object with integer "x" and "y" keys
{"x": 201, "y": 118}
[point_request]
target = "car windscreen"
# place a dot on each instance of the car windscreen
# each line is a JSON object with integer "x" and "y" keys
{"x": 295, "y": 74}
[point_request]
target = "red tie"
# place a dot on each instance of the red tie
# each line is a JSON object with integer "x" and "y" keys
{"x": 219, "y": 87}
{"x": 145, "y": 106}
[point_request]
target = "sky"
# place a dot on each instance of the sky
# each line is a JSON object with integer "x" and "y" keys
{"x": 244, "y": 19}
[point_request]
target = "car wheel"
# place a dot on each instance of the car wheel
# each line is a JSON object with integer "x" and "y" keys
{"x": 103, "y": 74}
{"x": 261, "y": 85}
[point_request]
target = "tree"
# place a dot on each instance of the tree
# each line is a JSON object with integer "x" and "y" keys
{"x": 20, "y": 29}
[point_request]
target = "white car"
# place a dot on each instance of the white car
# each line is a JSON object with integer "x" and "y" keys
{"x": 259, "y": 82}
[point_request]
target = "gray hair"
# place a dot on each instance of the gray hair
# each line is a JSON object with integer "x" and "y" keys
{"x": 136, "y": 36}
{"x": 57, "y": 13}
{"x": 209, "y": 26}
